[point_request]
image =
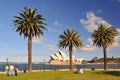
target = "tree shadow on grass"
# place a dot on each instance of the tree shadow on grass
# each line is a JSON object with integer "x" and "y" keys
{"x": 114, "y": 73}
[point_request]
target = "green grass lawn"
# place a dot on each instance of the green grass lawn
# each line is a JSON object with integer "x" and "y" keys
{"x": 65, "y": 75}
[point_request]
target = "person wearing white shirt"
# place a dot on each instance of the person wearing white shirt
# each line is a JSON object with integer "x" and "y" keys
{"x": 11, "y": 70}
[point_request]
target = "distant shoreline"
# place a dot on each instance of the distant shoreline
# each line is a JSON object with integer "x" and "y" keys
{"x": 53, "y": 67}
{"x": 50, "y": 64}
{"x": 102, "y": 63}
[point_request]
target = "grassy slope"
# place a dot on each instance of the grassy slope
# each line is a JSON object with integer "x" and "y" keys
{"x": 65, "y": 75}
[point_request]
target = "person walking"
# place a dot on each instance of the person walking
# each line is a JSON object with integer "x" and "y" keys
{"x": 7, "y": 69}
{"x": 11, "y": 70}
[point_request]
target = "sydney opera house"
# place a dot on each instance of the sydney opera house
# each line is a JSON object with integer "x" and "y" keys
{"x": 61, "y": 58}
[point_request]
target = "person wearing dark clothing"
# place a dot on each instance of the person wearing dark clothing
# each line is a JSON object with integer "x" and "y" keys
{"x": 16, "y": 71}
{"x": 24, "y": 69}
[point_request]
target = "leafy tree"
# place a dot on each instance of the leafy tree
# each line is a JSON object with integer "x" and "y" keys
{"x": 29, "y": 24}
{"x": 70, "y": 39}
{"x": 104, "y": 36}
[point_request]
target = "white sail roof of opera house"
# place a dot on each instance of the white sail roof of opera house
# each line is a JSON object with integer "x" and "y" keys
{"x": 64, "y": 56}
{"x": 58, "y": 56}
{"x": 54, "y": 57}
{"x": 61, "y": 56}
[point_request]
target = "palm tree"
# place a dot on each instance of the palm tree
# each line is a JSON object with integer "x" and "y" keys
{"x": 70, "y": 39}
{"x": 104, "y": 37}
{"x": 29, "y": 24}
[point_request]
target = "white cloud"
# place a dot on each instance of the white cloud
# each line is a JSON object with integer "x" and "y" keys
{"x": 85, "y": 48}
{"x": 37, "y": 40}
{"x": 118, "y": 30}
{"x": 51, "y": 48}
{"x": 92, "y": 21}
{"x": 117, "y": 40}
{"x": 88, "y": 48}
{"x": 22, "y": 57}
{"x": 53, "y": 30}
{"x": 118, "y": 0}
{"x": 57, "y": 23}
{"x": 90, "y": 41}
{"x": 115, "y": 44}
{"x": 98, "y": 11}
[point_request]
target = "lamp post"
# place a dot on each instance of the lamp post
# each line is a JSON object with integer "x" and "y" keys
{"x": 83, "y": 64}
{"x": 44, "y": 64}
{"x": 7, "y": 61}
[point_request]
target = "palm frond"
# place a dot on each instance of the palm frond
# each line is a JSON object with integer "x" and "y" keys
{"x": 70, "y": 38}
{"x": 29, "y": 22}
{"x": 104, "y": 35}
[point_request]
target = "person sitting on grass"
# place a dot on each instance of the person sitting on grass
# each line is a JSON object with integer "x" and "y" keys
{"x": 79, "y": 71}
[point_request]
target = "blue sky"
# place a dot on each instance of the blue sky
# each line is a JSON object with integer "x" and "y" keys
{"x": 83, "y": 16}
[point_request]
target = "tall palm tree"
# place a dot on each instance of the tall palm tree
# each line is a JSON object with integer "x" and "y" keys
{"x": 104, "y": 37}
{"x": 70, "y": 39}
{"x": 29, "y": 24}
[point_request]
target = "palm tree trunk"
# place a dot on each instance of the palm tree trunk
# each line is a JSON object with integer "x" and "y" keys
{"x": 70, "y": 58}
{"x": 29, "y": 54}
{"x": 105, "y": 58}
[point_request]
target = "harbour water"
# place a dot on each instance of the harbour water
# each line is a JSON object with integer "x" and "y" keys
{"x": 57, "y": 67}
